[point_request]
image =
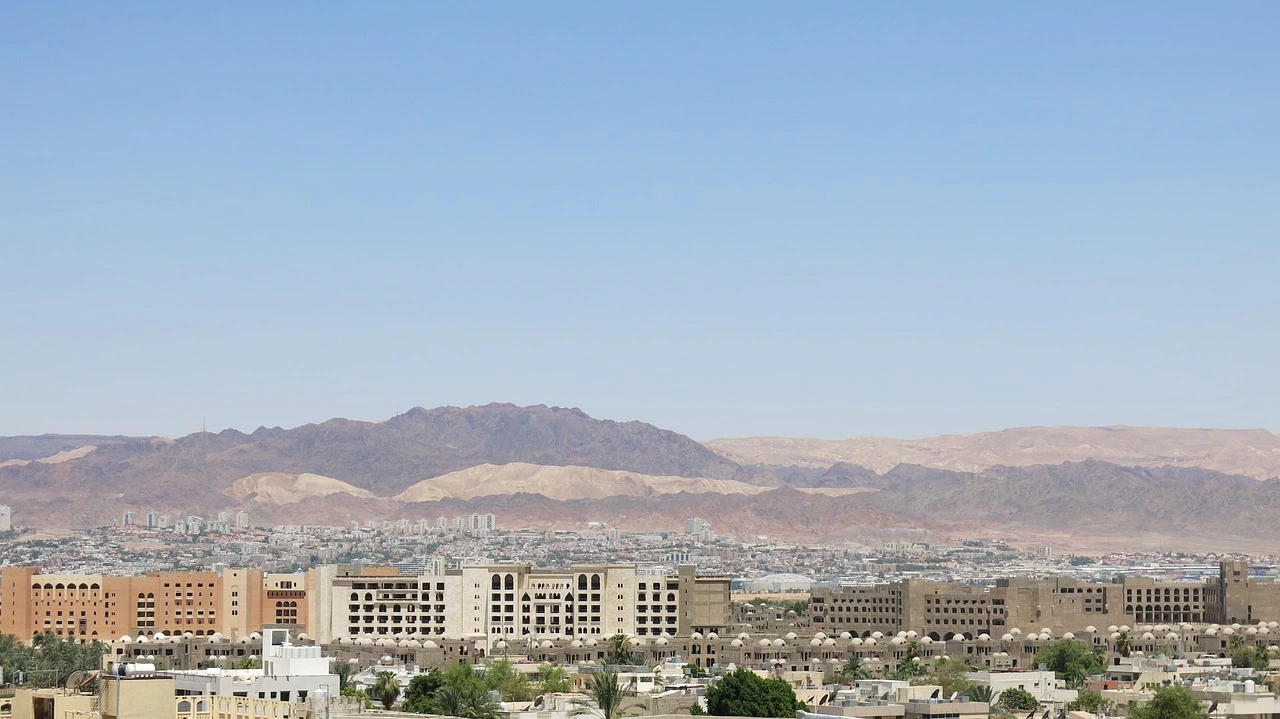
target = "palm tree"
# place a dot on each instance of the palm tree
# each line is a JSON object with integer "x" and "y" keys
{"x": 1123, "y": 647}
{"x": 620, "y": 651}
{"x": 979, "y": 693}
{"x": 386, "y": 689}
{"x": 605, "y": 697}
{"x": 343, "y": 670}
{"x": 469, "y": 701}
{"x": 853, "y": 669}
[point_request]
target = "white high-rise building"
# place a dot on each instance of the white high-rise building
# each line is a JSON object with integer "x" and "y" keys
{"x": 482, "y": 523}
{"x": 242, "y": 520}
{"x": 130, "y": 519}
{"x": 696, "y": 525}
{"x": 6, "y": 518}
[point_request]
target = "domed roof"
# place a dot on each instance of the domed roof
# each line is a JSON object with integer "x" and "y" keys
{"x": 815, "y": 642}
{"x": 1044, "y": 636}
{"x": 765, "y": 642}
{"x": 712, "y": 635}
{"x": 365, "y": 641}
{"x": 143, "y": 639}
{"x": 344, "y": 640}
{"x": 1211, "y": 632}
{"x": 792, "y": 613}
{"x": 1115, "y": 635}
{"x": 1007, "y": 637}
{"x": 1251, "y": 631}
{"x": 744, "y": 635}
{"x": 984, "y": 637}
{"x": 820, "y": 635}
{"x": 1091, "y": 629}
{"x": 846, "y": 635}
{"x": 1016, "y": 632}
{"x": 897, "y": 640}
{"x": 926, "y": 640}
{"x": 404, "y": 643}
{"x": 779, "y": 643}
{"x": 126, "y": 640}
{"x": 1228, "y": 631}
{"x": 661, "y": 641}
{"x": 592, "y": 641}
{"x": 735, "y": 643}
{"x": 855, "y": 642}
{"x": 828, "y": 642}
{"x": 912, "y": 634}
{"x": 546, "y": 644}
{"x": 1235, "y": 626}
{"x": 576, "y": 643}
{"x": 1069, "y": 635}
{"x": 1148, "y": 628}
{"x": 1124, "y": 627}
{"x": 1148, "y": 637}
{"x": 1032, "y": 637}
{"x": 901, "y": 634}
{"x": 1171, "y": 637}
{"x": 303, "y": 637}
{"x": 696, "y": 635}
{"x": 1113, "y": 628}
{"x": 158, "y": 636}
{"x": 870, "y": 641}
{"x": 877, "y": 635}
{"x": 188, "y": 635}
{"x": 1046, "y": 630}
{"x": 789, "y": 636}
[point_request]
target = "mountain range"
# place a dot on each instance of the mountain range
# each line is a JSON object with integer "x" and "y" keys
{"x": 1091, "y": 488}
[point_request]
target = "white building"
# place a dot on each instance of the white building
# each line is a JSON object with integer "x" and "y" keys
{"x": 696, "y": 525}
{"x": 6, "y": 518}
{"x": 288, "y": 673}
{"x": 1043, "y": 685}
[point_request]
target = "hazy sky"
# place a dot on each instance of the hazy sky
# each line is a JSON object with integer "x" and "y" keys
{"x": 723, "y": 218}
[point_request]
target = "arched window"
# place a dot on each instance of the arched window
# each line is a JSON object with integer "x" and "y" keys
{"x": 59, "y": 586}
{"x": 368, "y": 596}
{"x": 497, "y": 582}
{"x": 279, "y": 604}
{"x": 671, "y": 597}
{"x": 202, "y": 706}
{"x": 510, "y": 582}
{"x": 582, "y": 581}
{"x": 355, "y": 597}
{"x": 184, "y": 707}
{"x": 595, "y": 581}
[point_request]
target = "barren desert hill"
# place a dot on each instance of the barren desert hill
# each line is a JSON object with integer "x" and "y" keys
{"x": 1249, "y": 452}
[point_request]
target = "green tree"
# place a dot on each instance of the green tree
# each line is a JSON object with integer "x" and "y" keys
{"x": 951, "y": 675}
{"x": 979, "y": 693}
{"x": 695, "y": 671}
{"x": 619, "y": 652}
{"x": 1015, "y": 699}
{"x": 1072, "y": 661}
{"x": 553, "y": 679}
{"x": 343, "y": 671}
{"x": 851, "y": 671}
{"x": 742, "y": 693}
{"x": 1088, "y": 701}
{"x": 1170, "y": 703}
{"x": 1123, "y": 646}
{"x": 604, "y": 697}
{"x": 469, "y": 701}
{"x": 502, "y": 677}
{"x": 1251, "y": 657}
{"x": 421, "y": 692}
{"x": 907, "y": 669}
{"x": 386, "y": 689}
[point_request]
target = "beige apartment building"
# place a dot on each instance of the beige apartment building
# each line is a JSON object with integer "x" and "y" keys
{"x": 518, "y": 601}
{"x": 941, "y": 610}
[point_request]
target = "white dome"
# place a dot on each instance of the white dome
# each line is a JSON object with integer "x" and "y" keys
{"x": 126, "y": 640}
{"x": 696, "y": 635}
{"x": 576, "y": 643}
{"x": 1046, "y": 630}
{"x": 1251, "y": 631}
{"x": 779, "y": 643}
{"x": 815, "y": 642}
{"x": 1171, "y": 637}
{"x": 1016, "y": 632}
{"x": 912, "y": 634}
{"x": 592, "y": 641}
{"x": 1124, "y": 627}
{"x": 984, "y": 637}
{"x": 1148, "y": 637}
{"x": 661, "y": 641}
{"x": 869, "y": 642}
{"x": 1032, "y": 637}
{"x": 820, "y": 635}
{"x": 158, "y": 636}
{"x": 744, "y": 635}
{"x": 1091, "y": 629}
{"x": 735, "y": 643}
{"x": 926, "y": 640}
{"x": 1264, "y": 630}
{"x": 1214, "y": 626}
{"x": 365, "y": 641}
{"x": 1211, "y": 632}
{"x": 430, "y": 645}
{"x": 833, "y": 661}
{"x": 303, "y": 637}
{"x": 789, "y": 636}
{"x": 1007, "y": 637}
{"x": 546, "y": 644}
{"x": 1148, "y": 628}
{"x": 877, "y": 635}
{"x": 1113, "y": 628}
{"x": 828, "y": 642}
{"x": 344, "y": 640}
{"x": 188, "y": 635}
{"x": 958, "y": 638}
{"x": 142, "y": 639}
{"x": 1235, "y": 626}
{"x": 897, "y": 640}
{"x": 846, "y": 635}
{"x": 855, "y": 642}
{"x": 404, "y": 643}
{"x": 901, "y": 634}
{"x": 1228, "y": 631}
{"x": 1273, "y": 625}
{"x": 1069, "y": 635}
{"x": 1115, "y": 635}
{"x": 1044, "y": 637}
{"x": 765, "y": 643}
{"x": 212, "y": 639}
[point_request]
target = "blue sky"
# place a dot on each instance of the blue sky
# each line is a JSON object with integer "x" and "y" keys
{"x": 824, "y": 219}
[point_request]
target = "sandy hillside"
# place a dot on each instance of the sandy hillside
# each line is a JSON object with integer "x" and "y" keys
{"x": 562, "y": 483}
{"x": 1249, "y": 452}
{"x": 281, "y": 488}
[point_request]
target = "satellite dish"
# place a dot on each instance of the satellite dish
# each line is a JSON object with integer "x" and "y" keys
{"x": 954, "y": 695}
{"x": 936, "y": 692}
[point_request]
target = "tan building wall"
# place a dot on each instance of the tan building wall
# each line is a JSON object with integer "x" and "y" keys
{"x": 148, "y": 697}
{"x": 704, "y": 602}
